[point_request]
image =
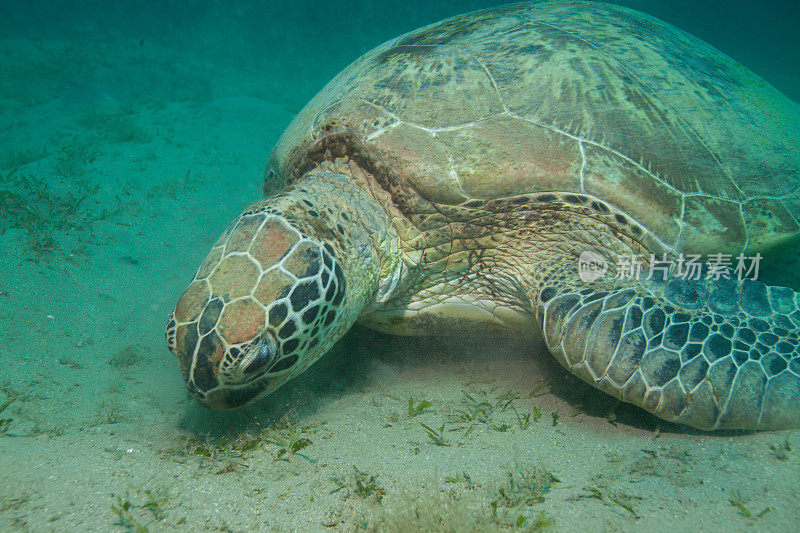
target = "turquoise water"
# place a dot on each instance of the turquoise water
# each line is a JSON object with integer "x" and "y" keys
{"x": 132, "y": 135}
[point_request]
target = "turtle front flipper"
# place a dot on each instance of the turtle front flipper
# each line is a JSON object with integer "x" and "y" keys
{"x": 710, "y": 353}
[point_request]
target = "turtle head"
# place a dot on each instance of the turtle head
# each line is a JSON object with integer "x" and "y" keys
{"x": 268, "y": 300}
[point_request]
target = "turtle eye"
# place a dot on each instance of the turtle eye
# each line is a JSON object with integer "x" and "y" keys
{"x": 264, "y": 356}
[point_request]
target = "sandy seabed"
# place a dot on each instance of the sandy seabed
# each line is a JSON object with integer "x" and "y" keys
{"x": 120, "y": 165}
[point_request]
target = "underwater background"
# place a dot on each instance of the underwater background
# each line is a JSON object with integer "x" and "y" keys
{"x": 132, "y": 134}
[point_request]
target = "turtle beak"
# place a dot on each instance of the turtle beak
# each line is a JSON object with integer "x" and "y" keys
{"x": 226, "y": 399}
{"x": 217, "y": 401}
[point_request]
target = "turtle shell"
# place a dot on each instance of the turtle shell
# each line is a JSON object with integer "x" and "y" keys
{"x": 578, "y": 97}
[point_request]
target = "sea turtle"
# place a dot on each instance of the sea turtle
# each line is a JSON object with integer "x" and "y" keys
{"x": 482, "y": 173}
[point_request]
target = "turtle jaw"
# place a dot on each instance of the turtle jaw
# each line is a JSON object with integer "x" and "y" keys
{"x": 223, "y": 399}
